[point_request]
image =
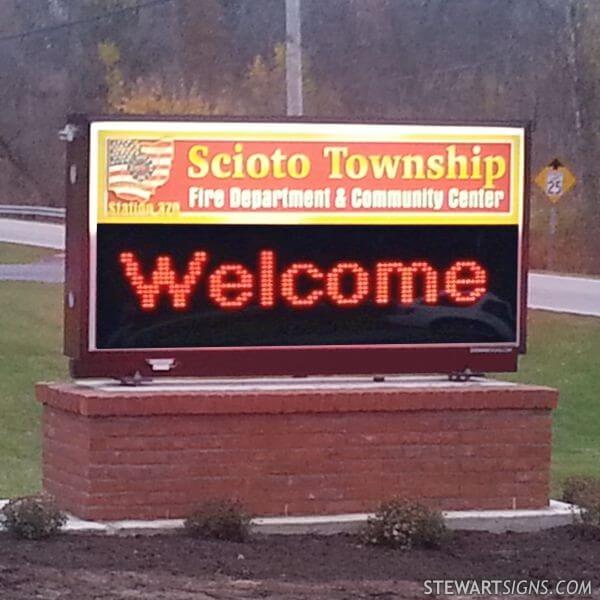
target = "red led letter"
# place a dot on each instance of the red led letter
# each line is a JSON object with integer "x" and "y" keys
{"x": 163, "y": 278}
{"x": 466, "y": 274}
{"x": 267, "y": 278}
{"x": 334, "y": 285}
{"x": 230, "y": 286}
{"x": 406, "y": 283}
{"x": 288, "y": 285}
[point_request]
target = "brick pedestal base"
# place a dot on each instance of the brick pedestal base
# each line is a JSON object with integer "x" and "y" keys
{"x": 297, "y": 448}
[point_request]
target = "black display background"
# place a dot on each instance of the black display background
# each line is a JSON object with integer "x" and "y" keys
{"x": 120, "y": 323}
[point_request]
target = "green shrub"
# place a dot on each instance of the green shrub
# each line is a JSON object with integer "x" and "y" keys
{"x": 589, "y": 518}
{"x": 221, "y": 520}
{"x": 579, "y": 489}
{"x": 32, "y": 517}
{"x": 404, "y": 524}
{"x": 585, "y": 493}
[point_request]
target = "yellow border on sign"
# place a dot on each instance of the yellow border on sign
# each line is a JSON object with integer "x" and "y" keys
{"x": 328, "y": 132}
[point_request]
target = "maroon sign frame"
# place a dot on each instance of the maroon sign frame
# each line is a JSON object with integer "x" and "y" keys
{"x": 254, "y": 361}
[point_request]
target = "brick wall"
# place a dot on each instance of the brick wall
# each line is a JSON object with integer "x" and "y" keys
{"x": 117, "y": 455}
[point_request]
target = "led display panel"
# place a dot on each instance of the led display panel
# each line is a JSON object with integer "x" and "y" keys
{"x": 236, "y": 248}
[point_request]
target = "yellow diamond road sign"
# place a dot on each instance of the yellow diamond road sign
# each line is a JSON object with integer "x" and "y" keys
{"x": 555, "y": 180}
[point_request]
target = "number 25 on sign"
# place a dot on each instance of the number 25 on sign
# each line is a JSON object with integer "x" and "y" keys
{"x": 555, "y": 180}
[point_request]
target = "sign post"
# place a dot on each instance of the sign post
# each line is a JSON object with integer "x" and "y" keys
{"x": 554, "y": 180}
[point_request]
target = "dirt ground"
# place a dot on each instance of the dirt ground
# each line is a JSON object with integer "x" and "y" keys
{"x": 177, "y": 567}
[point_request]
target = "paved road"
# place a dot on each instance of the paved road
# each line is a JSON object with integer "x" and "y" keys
{"x": 550, "y": 292}
{"x": 564, "y": 294}
{"x": 32, "y": 233}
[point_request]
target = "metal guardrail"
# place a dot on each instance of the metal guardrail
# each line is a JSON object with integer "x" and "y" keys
{"x": 32, "y": 212}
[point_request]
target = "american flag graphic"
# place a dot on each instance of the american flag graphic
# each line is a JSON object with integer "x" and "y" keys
{"x": 137, "y": 168}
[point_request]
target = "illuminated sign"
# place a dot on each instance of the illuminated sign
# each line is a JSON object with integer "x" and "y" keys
{"x": 295, "y": 248}
{"x": 232, "y": 286}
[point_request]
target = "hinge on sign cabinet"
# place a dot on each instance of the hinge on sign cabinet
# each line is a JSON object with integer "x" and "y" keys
{"x": 135, "y": 380}
{"x": 68, "y": 133}
{"x": 156, "y": 364}
{"x": 465, "y": 375}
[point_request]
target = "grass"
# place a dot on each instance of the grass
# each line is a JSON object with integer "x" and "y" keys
{"x": 14, "y": 254}
{"x": 30, "y": 351}
{"x": 564, "y": 352}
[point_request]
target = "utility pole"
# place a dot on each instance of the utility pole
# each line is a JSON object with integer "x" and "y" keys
{"x": 293, "y": 58}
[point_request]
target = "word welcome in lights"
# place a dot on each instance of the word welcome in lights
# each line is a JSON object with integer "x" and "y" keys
{"x": 303, "y": 284}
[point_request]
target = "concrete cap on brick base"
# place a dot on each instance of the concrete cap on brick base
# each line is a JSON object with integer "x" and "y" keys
{"x": 289, "y": 395}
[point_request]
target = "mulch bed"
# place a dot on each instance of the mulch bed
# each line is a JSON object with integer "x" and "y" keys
{"x": 177, "y": 567}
